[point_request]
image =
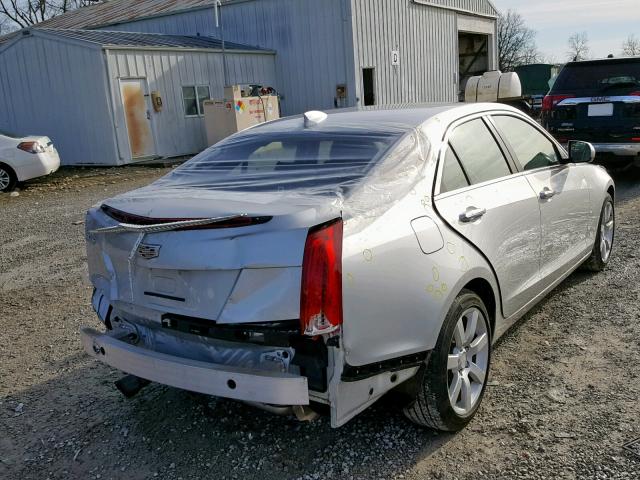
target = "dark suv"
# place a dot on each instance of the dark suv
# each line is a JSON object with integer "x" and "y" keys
{"x": 597, "y": 101}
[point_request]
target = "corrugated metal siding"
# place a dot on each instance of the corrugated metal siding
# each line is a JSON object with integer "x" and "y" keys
{"x": 40, "y": 94}
{"x": 482, "y": 7}
{"x": 427, "y": 40}
{"x": 309, "y": 38}
{"x": 312, "y": 39}
{"x": 167, "y": 72}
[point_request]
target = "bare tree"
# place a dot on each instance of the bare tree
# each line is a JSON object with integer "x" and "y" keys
{"x": 4, "y": 26}
{"x": 578, "y": 47}
{"x": 631, "y": 46}
{"x": 24, "y": 13}
{"x": 516, "y": 42}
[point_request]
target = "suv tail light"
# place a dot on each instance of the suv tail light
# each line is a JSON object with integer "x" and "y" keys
{"x": 550, "y": 101}
{"x": 321, "y": 292}
{"x": 31, "y": 147}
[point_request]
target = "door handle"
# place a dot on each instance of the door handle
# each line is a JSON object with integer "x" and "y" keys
{"x": 472, "y": 214}
{"x": 547, "y": 193}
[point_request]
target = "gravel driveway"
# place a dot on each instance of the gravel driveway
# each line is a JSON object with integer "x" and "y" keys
{"x": 564, "y": 394}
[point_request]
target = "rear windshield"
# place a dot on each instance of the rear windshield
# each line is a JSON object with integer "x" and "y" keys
{"x": 284, "y": 161}
{"x": 607, "y": 78}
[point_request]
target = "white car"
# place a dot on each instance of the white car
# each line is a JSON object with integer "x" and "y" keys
{"x": 317, "y": 262}
{"x": 25, "y": 158}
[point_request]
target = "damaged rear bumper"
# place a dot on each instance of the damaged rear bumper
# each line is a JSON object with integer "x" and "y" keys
{"x": 269, "y": 387}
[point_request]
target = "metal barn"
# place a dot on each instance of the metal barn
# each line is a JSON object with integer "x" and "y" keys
{"x": 318, "y": 54}
{"x": 110, "y": 98}
{"x": 331, "y": 53}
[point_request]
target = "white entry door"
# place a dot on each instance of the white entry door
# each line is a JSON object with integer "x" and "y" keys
{"x": 137, "y": 112}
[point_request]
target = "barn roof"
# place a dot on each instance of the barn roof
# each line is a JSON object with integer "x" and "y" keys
{"x": 121, "y": 11}
{"x": 120, "y": 40}
{"x": 130, "y": 39}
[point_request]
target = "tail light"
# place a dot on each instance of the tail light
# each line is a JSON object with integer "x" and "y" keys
{"x": 321, "y": 293}
{"x": 31, "y": 147}
{"x": 550, "y": 101}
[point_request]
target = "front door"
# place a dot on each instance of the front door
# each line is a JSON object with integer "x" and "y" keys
{"x": 495, "y": 210}
{"x": 137, "y": 112}
{"x": 564, "y": 205}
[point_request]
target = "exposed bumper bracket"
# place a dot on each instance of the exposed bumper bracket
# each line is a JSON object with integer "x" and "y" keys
{"x": 274, "y": 388}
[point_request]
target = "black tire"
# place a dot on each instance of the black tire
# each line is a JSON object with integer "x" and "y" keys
{"x": 432, "y": 407}
{"x": 7, "y": 171}
{"x": 595, "y": 263}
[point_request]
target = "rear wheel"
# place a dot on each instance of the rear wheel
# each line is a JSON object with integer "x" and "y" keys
{"x": 8, "y": 179}
{"x": 603, "y": 245}
{"x": 453, "y": 382}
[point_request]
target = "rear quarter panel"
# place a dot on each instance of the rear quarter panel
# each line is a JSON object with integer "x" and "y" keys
{"x": 396, "y": 296}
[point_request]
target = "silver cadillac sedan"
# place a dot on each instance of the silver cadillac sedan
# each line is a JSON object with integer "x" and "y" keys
{"x": 316, "y": 263}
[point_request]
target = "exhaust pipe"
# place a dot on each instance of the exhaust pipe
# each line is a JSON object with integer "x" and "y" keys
{"x": 130, "y": 385}
{"x": 303, "y": 413}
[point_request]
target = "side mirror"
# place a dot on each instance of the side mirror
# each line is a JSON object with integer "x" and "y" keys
{"x": 581, "y": 152}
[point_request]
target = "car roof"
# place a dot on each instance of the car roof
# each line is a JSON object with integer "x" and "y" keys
{"x": 604, "y": 61}
{"x": 391, "y": 119}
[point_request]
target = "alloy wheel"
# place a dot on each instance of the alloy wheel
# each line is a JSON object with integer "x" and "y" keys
{"x": 468, "y": 361}
{"x": 5, "y": 179}
{"x": 607, "y": 225}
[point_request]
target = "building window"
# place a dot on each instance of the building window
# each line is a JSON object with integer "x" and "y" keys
{"x": 193, "y": 97}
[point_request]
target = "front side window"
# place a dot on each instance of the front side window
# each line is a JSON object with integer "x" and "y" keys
{"x": 478, "y": 152}
{"x": 532, "y": 148}
{"x": 193, "y": 98}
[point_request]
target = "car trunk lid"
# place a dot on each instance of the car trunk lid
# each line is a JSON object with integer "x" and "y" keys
{"x": 242, "y": 264}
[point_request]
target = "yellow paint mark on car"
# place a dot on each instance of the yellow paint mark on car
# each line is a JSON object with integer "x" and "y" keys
{"x": 464, "y": 265}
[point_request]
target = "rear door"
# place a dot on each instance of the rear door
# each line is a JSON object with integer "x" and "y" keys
{"x": 562, "y": 190}
{"x": 479, "y": 196}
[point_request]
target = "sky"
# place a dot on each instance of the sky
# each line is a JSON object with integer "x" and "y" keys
{"x": 607, "y": 22}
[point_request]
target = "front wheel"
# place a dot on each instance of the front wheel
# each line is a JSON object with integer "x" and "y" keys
{"x": 603, "y": 245}
{"x": 452, "y": 384}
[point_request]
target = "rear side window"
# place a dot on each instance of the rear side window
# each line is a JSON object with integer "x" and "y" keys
{"x": 532, "y": 148}
{"x": 478, "y": 152}
{"x": 453, "y": 176}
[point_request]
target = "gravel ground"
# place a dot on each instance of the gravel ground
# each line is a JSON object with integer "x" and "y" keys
{"x": 563, "y": 398}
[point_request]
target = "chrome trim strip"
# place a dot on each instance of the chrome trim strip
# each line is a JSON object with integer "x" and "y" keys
{"x": 603, "y": 99}
{"x": 163, "y": 227}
